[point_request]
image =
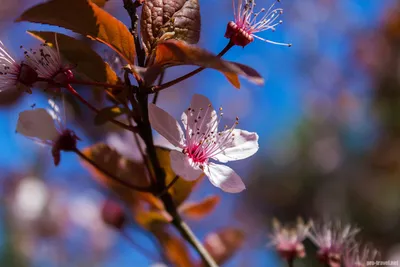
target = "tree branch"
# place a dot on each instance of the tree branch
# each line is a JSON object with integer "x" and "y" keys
{"x": 158, "y": 88}
{"x": 131, "y": 7}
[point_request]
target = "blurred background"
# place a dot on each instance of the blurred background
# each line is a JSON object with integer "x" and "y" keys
{"x": 329, "y": 139}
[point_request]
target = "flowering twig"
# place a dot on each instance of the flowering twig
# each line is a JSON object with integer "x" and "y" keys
{"x": 146, "y": 134}
{"x": 117, "y": 179}
{"x": 96, "y": 110}
{"x": 158, "y": 88}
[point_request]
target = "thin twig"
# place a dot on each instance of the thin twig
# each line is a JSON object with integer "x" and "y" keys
{"x": 158, "y": 88}
{"x": 107, "y": 173}
{"x": 160, "y": 81}
{"x": 96, "y": 110}
{"x": 176, "y": 178}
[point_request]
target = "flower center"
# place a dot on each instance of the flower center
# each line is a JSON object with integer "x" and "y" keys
{"x": 203, "y": 141}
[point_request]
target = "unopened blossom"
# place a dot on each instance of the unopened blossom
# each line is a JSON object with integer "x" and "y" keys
{"x": 47, "y": 62}
{"x": 288, "y": 241}
{"x": 113, "y": 214}
{"x": 14, "y": 75}
{"x": 332, "y": 239}
{"x": 359, "y": 256}
{"x": 248, "y": 22}
{"x": 46, "y": 126}
{"x": 201, "y": 141}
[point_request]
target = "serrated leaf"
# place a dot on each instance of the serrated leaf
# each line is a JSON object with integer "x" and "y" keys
{"x": 173, "y": 53}
{"x": 181, "y": 190}
{"x": 197, "y": 210}
{"x": 164, "y": 19}
{"x": 111, "y": 161}
{"x": 223, "y": 244}
{"x": 108, "y": 113}
{"x": 86, "y": 18}
{"x": 88, "y": 63}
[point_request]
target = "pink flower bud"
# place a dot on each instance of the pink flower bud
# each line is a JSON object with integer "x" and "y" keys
{"x": 113, "y": 214}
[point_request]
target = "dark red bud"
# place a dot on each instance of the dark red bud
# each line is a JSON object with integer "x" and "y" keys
{"x": 66, "y": 142}
{"x": 113, "y": 214}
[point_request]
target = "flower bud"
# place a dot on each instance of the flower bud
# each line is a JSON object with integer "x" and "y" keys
{"x": 113, "y": 214}
{"x": 66, "y": 142}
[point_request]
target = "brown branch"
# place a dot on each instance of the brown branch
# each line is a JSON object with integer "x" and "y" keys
{"x": 158, "y": 88}
{"x": 131, "y": 8}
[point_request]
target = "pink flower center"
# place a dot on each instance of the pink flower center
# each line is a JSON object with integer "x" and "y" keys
{"x": 203, "y": 141}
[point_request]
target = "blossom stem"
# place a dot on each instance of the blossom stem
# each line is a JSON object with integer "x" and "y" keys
{"x": 290, "y": 262}
{"x": 158, "y": 88}
{"x": 96, "y": 110}
{"x": 107, "y": 173}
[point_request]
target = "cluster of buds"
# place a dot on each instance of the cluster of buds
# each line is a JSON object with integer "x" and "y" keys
{"x": 336, "y": 244}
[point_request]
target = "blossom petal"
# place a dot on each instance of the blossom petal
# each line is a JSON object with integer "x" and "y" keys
{"x": 224, "y": 177}
{"x": 166, "y": 125}
{"x": 201, "y": 115}
{"x": 243, "y": 145}
{"x": 37, "y": 123}
{"x": 182, "y": 165}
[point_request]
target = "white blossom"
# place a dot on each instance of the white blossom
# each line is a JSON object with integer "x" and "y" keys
{"x": 14, "y": 75}
{"x": 332, "y": 239}
{"x": 201, "y": 142}
{"x": 288, "y": 241}
{"x": 47, "y": 62}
